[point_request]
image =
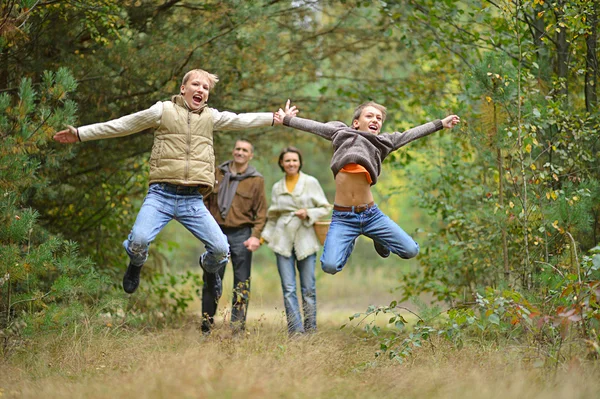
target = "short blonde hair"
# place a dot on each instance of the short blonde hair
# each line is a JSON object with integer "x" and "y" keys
{"x": 212, "y": 78}
{"x": 358, "y": 111}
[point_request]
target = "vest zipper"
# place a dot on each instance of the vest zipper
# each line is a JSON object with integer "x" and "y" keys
{"x": 189, "y": 144}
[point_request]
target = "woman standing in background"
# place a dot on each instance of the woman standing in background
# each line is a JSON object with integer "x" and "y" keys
{"x": 297, "y": 202}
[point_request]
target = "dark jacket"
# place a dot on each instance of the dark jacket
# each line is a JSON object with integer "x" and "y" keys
{"x": 249, "y": 205}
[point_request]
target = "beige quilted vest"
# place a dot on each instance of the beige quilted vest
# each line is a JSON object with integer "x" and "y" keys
{"x": 183, "y": 147}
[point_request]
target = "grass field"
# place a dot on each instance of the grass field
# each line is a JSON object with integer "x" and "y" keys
{"x": 332, "y": 363}
{"x": 117, "y": 362}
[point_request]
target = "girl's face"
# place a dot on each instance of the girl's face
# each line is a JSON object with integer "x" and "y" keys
{"x": 290, "y": 163}
{"x": 370, "y": 120}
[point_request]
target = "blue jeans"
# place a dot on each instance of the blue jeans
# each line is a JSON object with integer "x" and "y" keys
{"x": 165, "y": 202}
{"x": 347, "y": 226}
{"x": 287, "y": 273}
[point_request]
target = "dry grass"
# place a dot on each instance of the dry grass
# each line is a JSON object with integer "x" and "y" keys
{"x": 266, "y": 363}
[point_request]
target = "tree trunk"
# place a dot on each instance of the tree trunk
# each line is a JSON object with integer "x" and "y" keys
{"x": 500, "y": 166}
{"x": 591, "y": 62}
{"x": 562, "y": 53}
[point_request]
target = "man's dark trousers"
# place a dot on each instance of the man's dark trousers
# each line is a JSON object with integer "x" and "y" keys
{"x": 241, "y": 259}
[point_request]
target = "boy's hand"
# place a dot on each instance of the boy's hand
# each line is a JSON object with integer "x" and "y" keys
{"x": 68, "y": 135}
{"x": 279, "y": 115}
{"x": 450, "y": 121}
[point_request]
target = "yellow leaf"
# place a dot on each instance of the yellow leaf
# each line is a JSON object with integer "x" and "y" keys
{"x": 528, "y": 148}
{"x": 533, "y": 166}
{"x": 555, "y": 224}
{"x": 488, "y": 99}
{"x": 547, "y": 195}
{"x": 511, "y": 204}
{"x": 554, "y": 195}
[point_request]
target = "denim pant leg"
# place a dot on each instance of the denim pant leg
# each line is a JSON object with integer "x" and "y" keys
{"x": 287, "y": 273}
{"x": 192, "y": 213}
{"x": 339, "y": 243}
{"x": 384, "y": 230}
{"x": 306, "y": 271}
{"x": 157, "y": 210}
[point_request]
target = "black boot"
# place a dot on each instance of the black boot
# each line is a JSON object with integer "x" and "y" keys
{"x": 131, "y": 279}
{"x": 207, "y": 324}
{"x": 383, "y": 251}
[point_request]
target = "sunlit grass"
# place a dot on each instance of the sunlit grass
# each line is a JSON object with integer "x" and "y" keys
{"x": 266, "y": 363}
{"x": 108, "y": 361}
{"x": 96, "y": 361}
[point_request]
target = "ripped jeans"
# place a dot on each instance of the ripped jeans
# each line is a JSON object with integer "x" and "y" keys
{"x": 165, "y": 202}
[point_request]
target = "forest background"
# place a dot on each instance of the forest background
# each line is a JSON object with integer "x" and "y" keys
{"x": 505, "y": 206}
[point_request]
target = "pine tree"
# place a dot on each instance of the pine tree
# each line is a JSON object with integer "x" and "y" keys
{"x": 43, "y": 280}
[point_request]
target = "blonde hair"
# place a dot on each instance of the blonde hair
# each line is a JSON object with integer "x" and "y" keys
{"x": 358, "y": 111}
{"x": 212, "y": 78}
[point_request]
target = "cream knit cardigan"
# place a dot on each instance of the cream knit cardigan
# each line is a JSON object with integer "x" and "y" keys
{"x": 284, "y": 231}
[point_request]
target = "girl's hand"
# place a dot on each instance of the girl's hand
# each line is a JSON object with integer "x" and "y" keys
{"x": 450, "y": 121}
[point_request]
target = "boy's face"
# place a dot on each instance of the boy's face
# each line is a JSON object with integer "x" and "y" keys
{"x": 195, "y": 91}
{"x": 370, "y": 120}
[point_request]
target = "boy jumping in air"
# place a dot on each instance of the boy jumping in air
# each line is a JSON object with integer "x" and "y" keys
{"x": 182, "y": 170}
{"x": 358, "y": 151}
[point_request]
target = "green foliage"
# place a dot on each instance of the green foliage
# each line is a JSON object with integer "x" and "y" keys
{"x": 45, "y": 284}
{"x": 570, "y": 311}
{"x": 172, "y": 293}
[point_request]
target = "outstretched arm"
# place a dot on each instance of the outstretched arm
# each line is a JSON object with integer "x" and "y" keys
{"x": 288, "y": 117}
{"x": 401, "y": 139}
{"x": 123, "y": 126}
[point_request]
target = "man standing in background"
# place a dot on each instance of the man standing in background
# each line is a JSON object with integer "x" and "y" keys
{"x": 238, "y": 204}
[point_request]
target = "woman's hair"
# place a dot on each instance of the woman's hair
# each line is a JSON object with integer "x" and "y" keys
{"x": 212, "y": 78}
{"x": 285, "y": 151}
{"x": 358, "y": 111}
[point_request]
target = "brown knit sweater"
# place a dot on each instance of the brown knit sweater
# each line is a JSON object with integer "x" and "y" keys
{"x": 364, "y": 148}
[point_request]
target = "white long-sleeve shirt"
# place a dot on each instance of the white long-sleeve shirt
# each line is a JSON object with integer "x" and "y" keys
{"x": 151, "y": 117}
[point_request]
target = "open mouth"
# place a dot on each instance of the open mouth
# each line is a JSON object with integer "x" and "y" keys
{"x": 374, "y": 127}
{"x": 197, "y": 98}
